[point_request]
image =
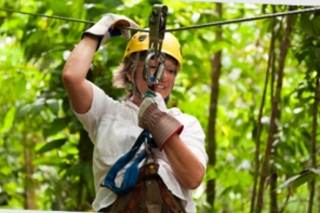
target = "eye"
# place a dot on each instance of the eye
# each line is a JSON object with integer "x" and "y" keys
{"x": 171, "y": 70}
{"x": 153, "y": 67}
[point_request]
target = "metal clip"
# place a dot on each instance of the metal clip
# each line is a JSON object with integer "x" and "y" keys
{"x": 157, "y": 24}
{"x": 149, "y": 152}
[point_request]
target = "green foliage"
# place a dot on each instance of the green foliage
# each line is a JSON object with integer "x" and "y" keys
{"x": 298, "y": 180}
{"x": 37, "y": 122}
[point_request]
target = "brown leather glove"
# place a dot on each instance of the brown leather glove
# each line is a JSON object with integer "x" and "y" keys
{"x": 153, "y": 118}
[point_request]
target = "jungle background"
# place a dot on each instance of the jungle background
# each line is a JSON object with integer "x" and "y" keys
{"x": 254, "y": 87}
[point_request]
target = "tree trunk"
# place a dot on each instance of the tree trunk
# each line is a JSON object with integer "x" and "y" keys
{"x": 259, "y": 126}
{"x": 318, "y": 198}
{"x": 29, "y": 189}
{"x": 212, "y": 144}
{"x": 313, "y": 150}
{"x": 273, "y": 192}
{"x": 85, "y": 148}
{"x": 276, "y": 105}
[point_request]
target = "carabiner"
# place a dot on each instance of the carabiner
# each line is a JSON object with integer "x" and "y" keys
{"x": 157, "y": 24}
{"x": 157, "y": 75}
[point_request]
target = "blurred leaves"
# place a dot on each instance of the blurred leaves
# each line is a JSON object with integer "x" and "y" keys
{"x": 300, "y": 179}
{"x": 56, "y": 144}
{"x": 36, "y": 116}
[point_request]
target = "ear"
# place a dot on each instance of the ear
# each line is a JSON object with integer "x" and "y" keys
{"x": 129, "y": 76}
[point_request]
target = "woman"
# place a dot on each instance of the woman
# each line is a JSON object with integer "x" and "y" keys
{"x": 114, "y": 126}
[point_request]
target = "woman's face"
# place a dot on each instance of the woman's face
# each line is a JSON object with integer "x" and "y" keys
{"x": 165, "y": 84}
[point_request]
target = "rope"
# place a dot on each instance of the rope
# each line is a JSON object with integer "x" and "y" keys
{"x": 218, "y": 23}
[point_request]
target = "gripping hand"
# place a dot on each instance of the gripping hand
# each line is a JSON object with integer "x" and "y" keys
{"x": 154, "y": 118}
{"x": 106, "y": 27}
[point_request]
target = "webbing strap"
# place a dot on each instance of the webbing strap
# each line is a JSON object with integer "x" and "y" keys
{"x": 168, "y": 198}
{"x": 132, "y": 172}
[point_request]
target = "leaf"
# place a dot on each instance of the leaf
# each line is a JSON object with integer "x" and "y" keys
{"x": 53, "y": 105}
{"x": 297, "y": 180}
{"x": 20, "y": 86}
{"x": 310, "y": 26}
{"x": 52, "y": 145}
{"x": 37, "y": 106}
{"x": 316, "y": 52}
{"x": 23, "y": 111}
{"x": 315, "y": 24}
{"x": 48, "y": 160}
{"x": 56, "y": 126}
{"x": 8, "y": 119}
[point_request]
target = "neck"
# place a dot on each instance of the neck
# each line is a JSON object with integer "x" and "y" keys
{"x": 136, "y": 100}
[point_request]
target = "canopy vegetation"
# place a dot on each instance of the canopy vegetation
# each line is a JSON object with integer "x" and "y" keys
{"x": 254, "y": 86}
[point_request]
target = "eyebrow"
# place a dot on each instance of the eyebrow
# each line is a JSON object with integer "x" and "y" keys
{"x": 171, "y": 66}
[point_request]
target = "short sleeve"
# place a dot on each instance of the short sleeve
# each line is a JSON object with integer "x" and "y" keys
{"x": 194, "y": 137}
{"x": 101, "y": 105}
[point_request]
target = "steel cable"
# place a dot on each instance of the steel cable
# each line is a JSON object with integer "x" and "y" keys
{"x": 218, "y": 23}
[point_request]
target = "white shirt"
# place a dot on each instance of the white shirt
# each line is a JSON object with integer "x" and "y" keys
{"x": 113, "y": 128}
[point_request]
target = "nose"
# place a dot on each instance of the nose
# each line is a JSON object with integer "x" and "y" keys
{"x": 164, "y": 76}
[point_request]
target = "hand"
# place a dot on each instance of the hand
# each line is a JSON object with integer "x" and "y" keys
{"x": 106, "y": 27}
{"x": 153, "y": 118}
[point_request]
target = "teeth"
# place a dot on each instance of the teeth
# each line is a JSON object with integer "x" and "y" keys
{"x": 160, "y": 87}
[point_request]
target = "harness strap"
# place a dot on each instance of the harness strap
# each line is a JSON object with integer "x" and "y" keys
{"x": 168, "y": 198}
{"x": 135, "y": 197}
{"x": 145, "y": 171}
{"x": 132, "y": 172}
{"x": 151, "y": 170}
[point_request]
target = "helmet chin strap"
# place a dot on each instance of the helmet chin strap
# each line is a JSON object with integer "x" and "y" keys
{"x": 136, "y": 91}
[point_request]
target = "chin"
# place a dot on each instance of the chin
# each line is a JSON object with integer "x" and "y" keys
{"x": 162, "y": 93}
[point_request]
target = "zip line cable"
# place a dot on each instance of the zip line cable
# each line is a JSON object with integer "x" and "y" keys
{"x": 49, "y": 16}
{"x": 218, "y": 23}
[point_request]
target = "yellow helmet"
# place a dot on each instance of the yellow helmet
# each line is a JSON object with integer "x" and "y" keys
{"x": 140, "y": 42}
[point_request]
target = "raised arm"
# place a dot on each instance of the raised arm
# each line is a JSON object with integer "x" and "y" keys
{"x": 75, "y": 71}
{"x": 76, "y": 68}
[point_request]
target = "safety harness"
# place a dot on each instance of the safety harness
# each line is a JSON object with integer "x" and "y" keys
{"x": 136, "y": 180}
{"x": 132, "y": 172}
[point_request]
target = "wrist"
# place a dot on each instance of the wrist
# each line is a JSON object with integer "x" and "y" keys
{"x": 91, "y": 40}
{"x": 91, "y": 37}
{"x": 165, "y": 129}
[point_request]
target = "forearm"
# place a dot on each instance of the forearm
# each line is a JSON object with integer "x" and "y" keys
{"x": 79, "y": 61}
{"x": 74, "y": 74}
{"x": 185, "y": 165}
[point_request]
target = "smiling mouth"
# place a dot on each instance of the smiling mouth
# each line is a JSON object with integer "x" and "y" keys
{"x": 160, "y": 87}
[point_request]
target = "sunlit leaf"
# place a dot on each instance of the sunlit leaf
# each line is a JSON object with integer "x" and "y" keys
{"x": 8, "y": 119}
{"x": 20, "y": 86}
{"x": 56, "y": 144}
{"x": 300, "y": 179}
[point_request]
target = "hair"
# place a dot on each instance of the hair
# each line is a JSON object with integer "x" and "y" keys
{"x": 130, "y": 65}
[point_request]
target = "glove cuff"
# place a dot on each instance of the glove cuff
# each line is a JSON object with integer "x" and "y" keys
{"x": 164, "y": 129}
